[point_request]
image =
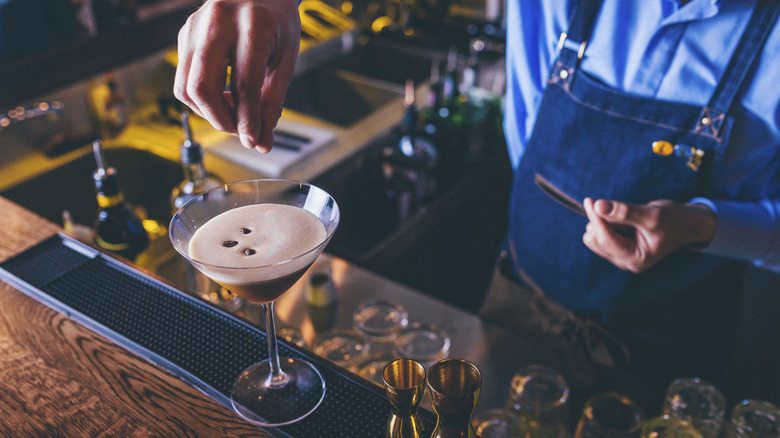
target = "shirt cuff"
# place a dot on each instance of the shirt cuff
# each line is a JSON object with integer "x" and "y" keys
{"x": 746, "y": 230}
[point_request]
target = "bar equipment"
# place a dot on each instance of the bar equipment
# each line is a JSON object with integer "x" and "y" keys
{"x": 754, "y": 419}
{"x": 454, "y": 386}
{"x": 539, "y": 396}
{"x": 404, "y": 382}
{"x": 698, "y": 402}
{"x": 666, "y": 426}
{"x": 610, "y": 415}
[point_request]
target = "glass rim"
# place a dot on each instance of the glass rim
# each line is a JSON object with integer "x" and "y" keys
{"x": 325, "y": 241}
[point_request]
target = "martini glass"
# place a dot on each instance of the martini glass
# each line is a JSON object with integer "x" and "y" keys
{"x": 272, "y": 392}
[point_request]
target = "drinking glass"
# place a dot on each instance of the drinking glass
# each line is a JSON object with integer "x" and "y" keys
{"x": 272, "y": 392}
{"x": 610, "y": 415}
{"x": 665, "y": 426}
{"x": 754, "y": 419}
{"x": 539, "y": 396}
{"x": 498, "y": 423}
{"x": 697, "y": 402}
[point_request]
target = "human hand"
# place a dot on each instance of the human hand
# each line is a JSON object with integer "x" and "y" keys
{"x": 259, "y": 40}
{"x": 635, "y": 237}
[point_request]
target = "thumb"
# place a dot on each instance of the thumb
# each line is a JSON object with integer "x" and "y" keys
{"x": 620, "y": 212}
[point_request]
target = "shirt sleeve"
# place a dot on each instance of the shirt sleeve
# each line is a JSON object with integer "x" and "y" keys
{"x": 746, "y": 230}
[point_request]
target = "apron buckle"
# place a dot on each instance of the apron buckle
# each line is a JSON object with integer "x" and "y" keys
{"x": 580, "y": 51}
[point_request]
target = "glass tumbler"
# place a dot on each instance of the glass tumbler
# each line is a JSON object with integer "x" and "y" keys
{"x": 697, "y": 402}
{"x": 669, "y": 427}
{"x": 539, "y": 396}
{"x": 610, "y": 415}
{"x": 754, "y": 419}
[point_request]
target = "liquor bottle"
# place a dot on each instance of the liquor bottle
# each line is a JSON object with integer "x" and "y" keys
{"x": 196, "y": 181}
{"x": 409, "y": 161}
{"x": 196, "y": 178}
{"x": 453, "y": 124}
{"x": 430, "y": 118}
{"x": 117, "y": 228}
{"x": 415, "y": 149}
{"x": 109, "y": 106}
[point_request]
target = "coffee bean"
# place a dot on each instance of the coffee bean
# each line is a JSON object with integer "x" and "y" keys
{"x": 229, "y": 243}
{"x": 248, "y": 251}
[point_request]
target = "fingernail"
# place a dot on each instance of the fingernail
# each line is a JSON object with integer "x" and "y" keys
{"x": 605, "y": 207}
{"x": 262, "y": 149}
{"x": 246, "y": 141}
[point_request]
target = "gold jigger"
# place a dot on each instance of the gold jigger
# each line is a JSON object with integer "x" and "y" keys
{"x": 404, "y": 381}
{"x": 454, "y": 386}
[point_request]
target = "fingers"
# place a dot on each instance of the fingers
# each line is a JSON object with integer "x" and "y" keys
{"x": 273, "y": 100}
{"x": 603, "y": 239}
{"x": 247, "y": 78}
{"x": 259, "y": 40}
{"x": 201, "y": 73}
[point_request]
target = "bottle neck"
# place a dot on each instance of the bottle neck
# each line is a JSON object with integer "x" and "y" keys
{"x": 195, "y": 172}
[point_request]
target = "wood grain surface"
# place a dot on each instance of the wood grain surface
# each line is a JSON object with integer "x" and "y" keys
{"x": 58, "y": 378}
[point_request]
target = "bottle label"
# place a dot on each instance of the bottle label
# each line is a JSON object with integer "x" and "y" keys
{"x": 109, "y": 201}
{"x": 114, "y": 247}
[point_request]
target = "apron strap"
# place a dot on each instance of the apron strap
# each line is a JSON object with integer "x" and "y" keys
{"x": 572, "y": 43}
{"x": 758, "y": 29}
{"x": 750, "y": 45}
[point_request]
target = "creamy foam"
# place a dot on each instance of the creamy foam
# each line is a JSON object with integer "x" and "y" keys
{"x": 255, "y": 236}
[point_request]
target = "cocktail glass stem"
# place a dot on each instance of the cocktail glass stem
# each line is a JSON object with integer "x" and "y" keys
{"x": 277, "y": 378}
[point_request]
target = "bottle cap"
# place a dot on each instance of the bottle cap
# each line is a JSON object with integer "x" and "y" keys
{"x": 191, "y": 151}
{"x": 105, "y": 178}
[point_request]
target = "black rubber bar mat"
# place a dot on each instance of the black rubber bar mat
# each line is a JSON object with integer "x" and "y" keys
{"x": 197, "y": 342}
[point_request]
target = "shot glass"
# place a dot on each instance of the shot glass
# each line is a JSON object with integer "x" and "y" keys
{"x": 669, "y": 427}
{"x": 610, "y": 415}
{"x": 497, "y": 423}
{"x": 380, "y": 320}
{"x": 404, "y": 383}
{"x": 754, "y": 419}
{"x": 697, "y": 402}
{"x": 342, "y": 347}
{"x": 454, "y": 386}
{"x": 539, "y": 396}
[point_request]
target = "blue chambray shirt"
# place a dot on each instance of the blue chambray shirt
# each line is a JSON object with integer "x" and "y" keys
{"x": 660, "y": 49}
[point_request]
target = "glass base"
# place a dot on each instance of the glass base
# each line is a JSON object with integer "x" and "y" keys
{"x": 277, "y": 405}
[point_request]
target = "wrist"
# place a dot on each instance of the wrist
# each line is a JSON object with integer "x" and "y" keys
{"x": 703, "y": 225}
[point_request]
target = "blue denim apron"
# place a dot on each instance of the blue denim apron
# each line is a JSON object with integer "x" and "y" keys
{"x": 593, "y": 141}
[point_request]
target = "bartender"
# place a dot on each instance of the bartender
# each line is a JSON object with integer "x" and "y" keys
{"x": 660, "y": 117}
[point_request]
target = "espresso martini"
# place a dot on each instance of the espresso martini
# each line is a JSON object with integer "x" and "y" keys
{"x": 278, "y": 239}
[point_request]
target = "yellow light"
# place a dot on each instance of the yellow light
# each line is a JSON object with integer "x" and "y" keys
{"x": 346, "y": 8}
{"x": 381, "y": 23}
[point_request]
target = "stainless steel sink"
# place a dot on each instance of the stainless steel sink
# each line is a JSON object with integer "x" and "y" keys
{"x": 146, "y": 179}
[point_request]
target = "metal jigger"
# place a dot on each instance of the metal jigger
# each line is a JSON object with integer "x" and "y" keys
{"x": 454, "y": 386}
{"x": 404, "y": 381}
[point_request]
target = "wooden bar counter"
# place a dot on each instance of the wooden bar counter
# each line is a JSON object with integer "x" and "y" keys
{"x": 58, "y": 378}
